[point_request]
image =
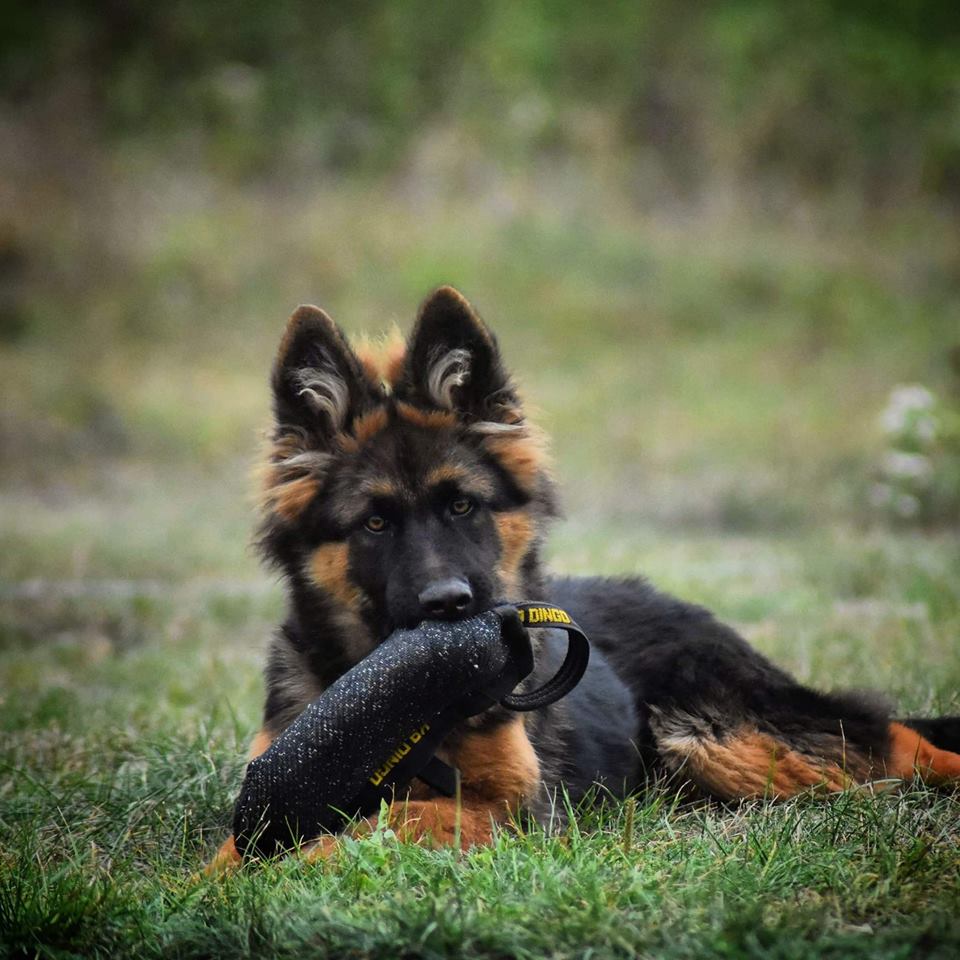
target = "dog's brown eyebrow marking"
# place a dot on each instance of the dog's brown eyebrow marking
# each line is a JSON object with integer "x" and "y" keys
{"x": 446, "y": 473}
{"x": 431, "y": 419}
{"x": 378, "y": 487}
{"x": 466, "y": 480}
{"x": 367, "y": 490}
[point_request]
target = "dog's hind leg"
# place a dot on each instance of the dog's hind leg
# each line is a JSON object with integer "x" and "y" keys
{"x": 740, "y": 762}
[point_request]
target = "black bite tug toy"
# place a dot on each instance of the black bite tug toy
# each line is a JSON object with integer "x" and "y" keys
{"x": 378, "y": 726}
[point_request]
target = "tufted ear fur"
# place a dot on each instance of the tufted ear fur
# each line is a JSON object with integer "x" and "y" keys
{"x": 318, "y": 383}
{"x": 453, "y": 363}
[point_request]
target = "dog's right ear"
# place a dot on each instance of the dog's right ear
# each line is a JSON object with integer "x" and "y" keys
{"x": 318, "y": 382}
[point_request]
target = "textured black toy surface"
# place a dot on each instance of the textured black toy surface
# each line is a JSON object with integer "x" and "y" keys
{"x": 331, "y": 763}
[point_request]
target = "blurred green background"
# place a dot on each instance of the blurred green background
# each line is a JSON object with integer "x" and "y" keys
{"x": 713, "y": 239}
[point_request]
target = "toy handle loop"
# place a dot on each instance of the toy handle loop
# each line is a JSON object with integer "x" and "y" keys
{"x": 546, "y": 615}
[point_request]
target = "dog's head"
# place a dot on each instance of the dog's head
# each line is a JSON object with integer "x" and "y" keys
{"x": 402, "y": 487}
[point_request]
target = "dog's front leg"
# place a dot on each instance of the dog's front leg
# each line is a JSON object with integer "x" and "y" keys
{"x": 442, "y": 822}
{"x": 228, "y": 857}
{"x": 500, "y": 774}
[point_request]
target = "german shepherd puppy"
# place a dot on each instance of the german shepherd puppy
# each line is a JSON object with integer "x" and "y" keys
{"x": 410, "y": 486}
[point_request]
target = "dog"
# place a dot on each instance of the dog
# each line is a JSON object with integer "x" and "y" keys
{"x": 407, "y": 484}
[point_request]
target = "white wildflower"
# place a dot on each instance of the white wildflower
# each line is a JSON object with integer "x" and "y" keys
{"x": 905, "y": 402}
{"x": 912, "y": 396}
{"x": 907, "y": 466}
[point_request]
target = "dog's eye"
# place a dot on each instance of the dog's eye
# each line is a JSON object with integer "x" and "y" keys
{"x": 460, "y": 508}
{"x": 375, "y": 524}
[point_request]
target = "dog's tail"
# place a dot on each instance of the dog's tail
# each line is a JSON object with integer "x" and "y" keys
{"x": 927, "y": 748}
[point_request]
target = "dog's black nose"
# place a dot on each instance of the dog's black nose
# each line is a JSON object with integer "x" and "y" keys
{"x": 446, "y": 599}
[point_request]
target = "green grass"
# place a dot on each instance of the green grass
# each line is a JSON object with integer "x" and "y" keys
{"x": 713, "y": 390}
{"x": 847, "y": 877}
{"x": 128, "y": 706}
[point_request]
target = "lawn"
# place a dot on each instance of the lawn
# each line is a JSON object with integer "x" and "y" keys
{"x": 713, "y": 391}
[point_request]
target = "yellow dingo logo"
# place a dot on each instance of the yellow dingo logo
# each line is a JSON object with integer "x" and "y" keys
{"x": 401, "y": 751}
{"x": 534, "y": 615}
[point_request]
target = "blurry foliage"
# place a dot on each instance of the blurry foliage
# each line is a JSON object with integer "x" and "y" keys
{"x": 824, "y": 94}
{"x": 918, "y": 476}
{"x": 758, "y": 198}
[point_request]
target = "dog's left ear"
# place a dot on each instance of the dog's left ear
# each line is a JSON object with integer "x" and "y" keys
{"x": 453, "y": 363}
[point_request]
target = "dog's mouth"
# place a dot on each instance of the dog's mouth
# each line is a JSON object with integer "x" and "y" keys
{"x": 447, "y": 599}
{"x": 455, "y": 616}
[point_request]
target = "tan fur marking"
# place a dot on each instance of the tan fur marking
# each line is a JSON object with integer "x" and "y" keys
{"x": 288, "y": 474}
{"x": 260, "y": 744}
{"x": 434, "y": 823}
{"x": 266, "y": 472}
{"x": 437, "y": 822}
{"x": 226, "y": 859}
{"x": 382, "y": 359}
{"x": 523, "y": 457}
{"x": 380, "y": 488}
{"x": 471, "y": 483}
{"x": 431, "y": 419}
{"x": 369, "y": 425}
{"x": 329, "y": 569}
{"x": 499, "y": 765}
{"x": 291, "y": 498}
{"x": 346, "y": 443}
{"x": 911, "y": 753}
{"x": 265, "y": 477}
{"x": 752, "y": 764}
{"x": 393, "y": 369}
{"x": 446, "y": 473}
{"x": 516, "y": 530}
{"x": 363, "y": 429}
{"x": 370, "y": 369}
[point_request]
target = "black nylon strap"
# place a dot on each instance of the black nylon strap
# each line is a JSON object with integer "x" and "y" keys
{"x": 573, "y": 666}
{"x": 440, "y": 776}
{"x": 433, "y": 771}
